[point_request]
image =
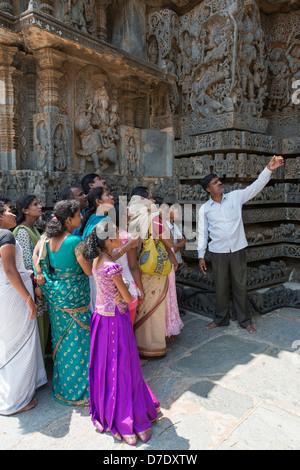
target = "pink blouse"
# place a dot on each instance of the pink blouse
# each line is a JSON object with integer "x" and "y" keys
{"x": 107, "y": 290}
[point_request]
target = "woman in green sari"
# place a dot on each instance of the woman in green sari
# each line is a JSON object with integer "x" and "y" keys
{"x": 63, "y": 276}
{"x": 26, "y": 233}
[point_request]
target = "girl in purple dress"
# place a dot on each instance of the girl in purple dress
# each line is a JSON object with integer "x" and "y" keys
{"x": 120, "y": 400}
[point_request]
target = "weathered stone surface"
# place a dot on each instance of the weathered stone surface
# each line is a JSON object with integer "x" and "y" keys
{"x": 157, "y": 150}
{"x": 240, "y": 392}
{"x": 159, "y": 93}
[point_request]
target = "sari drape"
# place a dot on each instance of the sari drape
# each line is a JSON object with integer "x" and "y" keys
{"x": 150, "y": 319}
{"x": 42, "y": 312}
{"x": 33, "y": 233}
{"x": 68, "y": 295}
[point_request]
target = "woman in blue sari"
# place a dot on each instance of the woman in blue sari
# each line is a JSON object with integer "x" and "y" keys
{"x": 99, "y": 204}
{"x": 62, "y": 274}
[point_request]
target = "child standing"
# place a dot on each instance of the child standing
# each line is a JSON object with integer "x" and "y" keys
{"x": 120, "y": 400}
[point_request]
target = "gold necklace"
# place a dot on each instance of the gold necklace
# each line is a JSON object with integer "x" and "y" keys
{"x": 106, "y": 254}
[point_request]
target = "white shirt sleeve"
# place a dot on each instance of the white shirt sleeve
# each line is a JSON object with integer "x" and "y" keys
{"x": 251, "y": 191}
{"x": 202, "y": 232}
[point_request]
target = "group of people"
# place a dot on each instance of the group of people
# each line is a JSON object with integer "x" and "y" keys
{"x": 100, "y": 276}
{"x": 74, "y": 275}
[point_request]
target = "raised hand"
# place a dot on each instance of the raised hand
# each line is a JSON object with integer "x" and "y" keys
{"x": 275, "y": 162}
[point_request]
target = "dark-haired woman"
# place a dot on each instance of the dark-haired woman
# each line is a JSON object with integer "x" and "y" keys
{"x": 21, "y": 362}
{"x": 7, "y": 202}
{"x": 99, "y": 203}
{"x": 26, "y": 233}
{"x": 66, "y": 272}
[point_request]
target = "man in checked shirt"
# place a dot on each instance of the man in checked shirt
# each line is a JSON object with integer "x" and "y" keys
{"x": 220, "y": 219}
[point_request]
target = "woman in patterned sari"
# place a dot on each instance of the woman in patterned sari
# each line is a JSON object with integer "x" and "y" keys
{"x": 150, "y": 320}
{"x": 26, "y": 233}
{"x": 66, "y": 287}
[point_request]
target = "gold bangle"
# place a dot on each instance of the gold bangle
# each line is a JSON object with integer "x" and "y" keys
{"x": 29, "y": 297}
{"x": 121, "y": 251}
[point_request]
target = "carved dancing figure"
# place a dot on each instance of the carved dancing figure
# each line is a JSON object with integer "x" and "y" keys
{"x": 90, "y": 138}
{"x": 59, "y": 149}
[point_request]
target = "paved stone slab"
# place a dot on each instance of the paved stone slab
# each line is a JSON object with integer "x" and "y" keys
{"x": 220, "y": 356}
{"x": 276, "y": 328}
{"x": 220, "y": 399}
{"x": 222, "y": 389}
{"x": 268, "y": 427}
{"x": 274, "y": 377}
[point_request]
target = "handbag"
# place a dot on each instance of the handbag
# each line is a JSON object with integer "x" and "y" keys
{"x": 154, "y": 258}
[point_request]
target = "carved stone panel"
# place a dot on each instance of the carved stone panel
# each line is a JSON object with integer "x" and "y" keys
{"x": 159, "y": 93}
{"x": 96, "y": 121}
{"x": 52, "y": 142}
{"x": 130, "y": 151}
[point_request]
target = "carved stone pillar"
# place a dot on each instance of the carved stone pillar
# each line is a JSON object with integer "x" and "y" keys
{"x": 26, "y": 108}
{"x": 7, "y": 7}
{"x": 50, "y": 62}
{"x": 102, "y": 19}
{"x": 140, "y": 113}
{"x": 52, "y": 131}
{"x": 129, "y": 109}
{"x": 8, "y": 137}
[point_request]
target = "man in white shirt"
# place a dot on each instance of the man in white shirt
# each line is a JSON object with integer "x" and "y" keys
{"x": 220, "y": 218}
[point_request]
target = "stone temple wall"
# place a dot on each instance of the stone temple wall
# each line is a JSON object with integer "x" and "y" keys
{"x": 160, "y": 93}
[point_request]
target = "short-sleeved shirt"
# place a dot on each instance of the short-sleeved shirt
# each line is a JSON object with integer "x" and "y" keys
{"x": 107, "y": 290}
{"x": 6, "y": 238}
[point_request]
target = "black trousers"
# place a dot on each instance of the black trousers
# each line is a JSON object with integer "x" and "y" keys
{"x": 230, "y": 271}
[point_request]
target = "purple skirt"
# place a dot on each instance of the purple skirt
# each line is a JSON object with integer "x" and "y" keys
{"x": 120, "y": 399}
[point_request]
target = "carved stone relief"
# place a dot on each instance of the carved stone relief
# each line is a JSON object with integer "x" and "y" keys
{"x": 217, "y": 52}
{"x": 52, "y": 143}
{"x": 207, "y": 87}
{"x": 130, "y": 144}
{"x": 96, "y": 121}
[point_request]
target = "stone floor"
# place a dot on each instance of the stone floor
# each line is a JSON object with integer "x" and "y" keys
{"x": 220, "y": 389}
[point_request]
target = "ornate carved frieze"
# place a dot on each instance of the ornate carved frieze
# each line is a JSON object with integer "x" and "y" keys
{"x": 259, "y": 275}
{"x": 263, "y": 235}
{"x": 271, "y": 214}
{"x": 271, "y": 194}
{"x": 232, "y": 165}
{"x": 230, "y": 140}
{"x": 180, "y": 90}
{"x": 262, "y": 214}
{"x": 261, "y": 302}
{"x": 217, "y": 51}
{"x": 276, "y": 297}
{"x": 257, "y": 253}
